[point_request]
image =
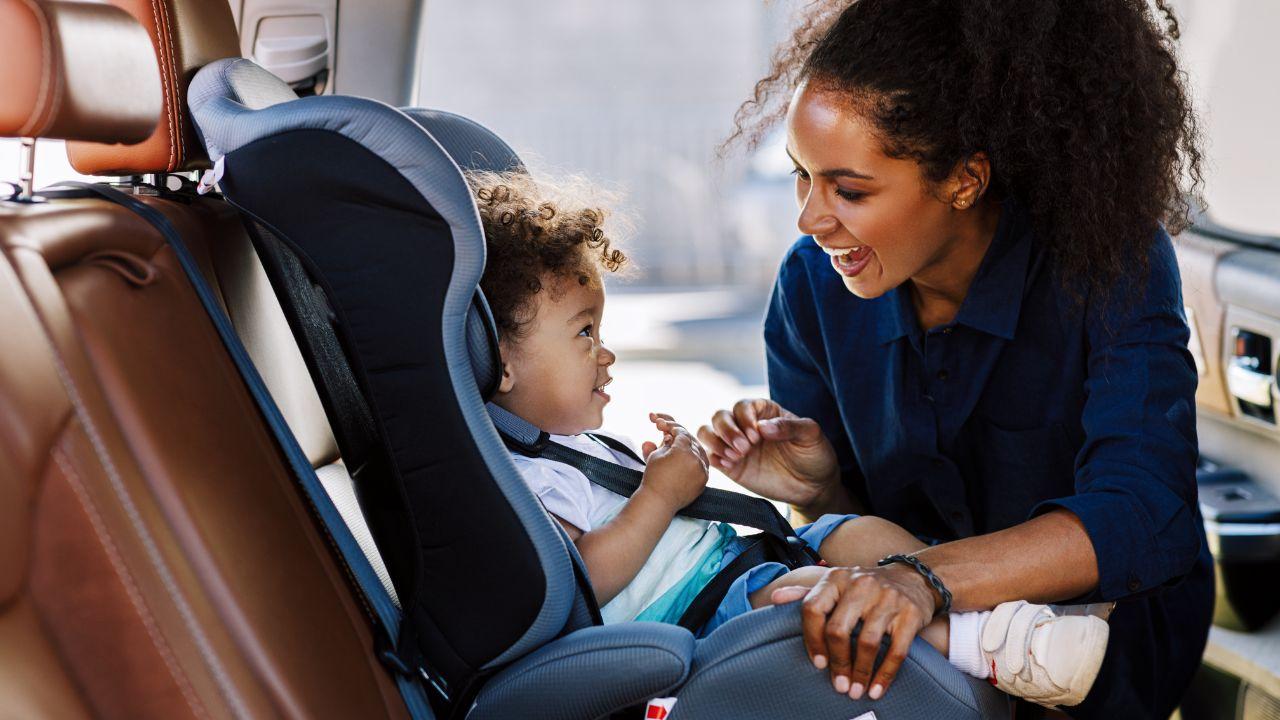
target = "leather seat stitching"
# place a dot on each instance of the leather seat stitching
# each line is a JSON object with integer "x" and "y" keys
{"x": 229, "y": 693}
{"x": 163, "y": 57}
{"x": 173, "y": 76}
{"x": 126, "y": 578}
{"x": 46, "y": 48}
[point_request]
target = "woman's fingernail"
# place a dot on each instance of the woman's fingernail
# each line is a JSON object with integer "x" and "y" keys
{"x": 855, "y": 692}
{"x": 731, "y": 454}
{"x": 727, "y": 464}
{"x": 876, "y": 692}
{"x": 842, "y": 684}
{"x": 753, "y": 436}
{"x": 820, "y": 662}
{"x": 742, "y": 445}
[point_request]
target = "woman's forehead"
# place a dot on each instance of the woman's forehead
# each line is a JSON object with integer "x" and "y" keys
{"x": 825, "y": 133}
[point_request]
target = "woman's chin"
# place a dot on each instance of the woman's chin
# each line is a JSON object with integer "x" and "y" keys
{"x": 865, "y": 288}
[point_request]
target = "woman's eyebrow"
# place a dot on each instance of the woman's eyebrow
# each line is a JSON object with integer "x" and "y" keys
{"x": 835, "y": 173}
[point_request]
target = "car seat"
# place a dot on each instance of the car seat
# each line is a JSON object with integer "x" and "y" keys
{"x": 385, "y": 252}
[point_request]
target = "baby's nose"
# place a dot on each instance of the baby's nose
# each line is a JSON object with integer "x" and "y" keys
{"x": 606, "y": 356}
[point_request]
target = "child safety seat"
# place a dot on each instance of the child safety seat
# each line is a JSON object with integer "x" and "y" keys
{"x": 369, "y": 234}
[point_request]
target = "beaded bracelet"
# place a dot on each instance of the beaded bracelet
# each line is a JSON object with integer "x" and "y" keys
{"x": 924, "y": 570}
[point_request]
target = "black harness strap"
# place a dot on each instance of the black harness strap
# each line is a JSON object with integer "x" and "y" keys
{"x": 777, "y": 541}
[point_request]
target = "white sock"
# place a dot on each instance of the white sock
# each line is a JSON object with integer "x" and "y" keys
{"x": 966, "y": 643}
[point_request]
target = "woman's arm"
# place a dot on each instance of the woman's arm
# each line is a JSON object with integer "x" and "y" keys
{"x": 1130, "y": 527}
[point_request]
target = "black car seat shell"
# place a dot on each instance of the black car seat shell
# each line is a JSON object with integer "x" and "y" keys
{"x": 378, "y": 214}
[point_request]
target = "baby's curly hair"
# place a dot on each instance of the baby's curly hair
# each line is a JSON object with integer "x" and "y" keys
{"x": 538, "y": 230}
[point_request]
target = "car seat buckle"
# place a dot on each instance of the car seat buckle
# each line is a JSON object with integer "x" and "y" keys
{"x": 211, "y": 176}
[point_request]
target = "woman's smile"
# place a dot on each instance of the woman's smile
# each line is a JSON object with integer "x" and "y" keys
{"x": 850, "y": 261}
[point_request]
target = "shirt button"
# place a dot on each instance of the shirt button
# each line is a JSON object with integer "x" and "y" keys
{"x": 1134, "y": 584}
{"x": 947, "y": 330}
{"x": 943, "y": 374}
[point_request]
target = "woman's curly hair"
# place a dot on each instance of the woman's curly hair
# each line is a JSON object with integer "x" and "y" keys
{"x": 1079, "y": 104}
{"x": 539, "y": 233}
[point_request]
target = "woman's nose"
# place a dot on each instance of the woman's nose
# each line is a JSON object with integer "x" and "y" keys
{"x": 814, "y": 217}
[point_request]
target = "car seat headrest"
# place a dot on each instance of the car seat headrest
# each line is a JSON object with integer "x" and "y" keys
{"x": 76, "y": 70}
{"x": 473, "y": 147}
{"x": 183, "y": 36}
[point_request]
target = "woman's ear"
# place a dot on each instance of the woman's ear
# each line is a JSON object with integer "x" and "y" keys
{"x": 968, "y": 181}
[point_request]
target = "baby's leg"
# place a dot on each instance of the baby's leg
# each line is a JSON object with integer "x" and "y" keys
{"x": 863, "y": 540}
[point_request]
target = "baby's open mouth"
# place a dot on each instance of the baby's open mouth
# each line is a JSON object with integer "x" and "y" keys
{"x": 599, "y": 389}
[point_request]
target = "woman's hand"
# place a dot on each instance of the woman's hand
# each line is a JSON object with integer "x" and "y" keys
{"x": 893, "y": 599}
{"x": 768, "y": 450}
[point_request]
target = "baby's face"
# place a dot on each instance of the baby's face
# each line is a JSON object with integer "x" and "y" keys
{"x": 556, "y": 373}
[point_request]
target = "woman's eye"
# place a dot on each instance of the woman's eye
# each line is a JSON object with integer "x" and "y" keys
{"x": 850, "y": 195}
{"x": 800, "y": 173}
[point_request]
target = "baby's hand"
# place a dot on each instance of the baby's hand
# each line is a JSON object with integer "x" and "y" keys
{"x": 677, "y": 469}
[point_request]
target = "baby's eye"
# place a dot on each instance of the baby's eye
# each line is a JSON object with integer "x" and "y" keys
{"x": 586, "y": 331}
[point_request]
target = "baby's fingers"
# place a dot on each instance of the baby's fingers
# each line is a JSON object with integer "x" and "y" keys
{"x": 646, "y": 449}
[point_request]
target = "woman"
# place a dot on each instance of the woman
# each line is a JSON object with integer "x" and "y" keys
{"x": 991, "y": 351}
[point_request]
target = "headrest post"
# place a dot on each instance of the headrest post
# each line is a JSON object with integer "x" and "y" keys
{"x": 27, "y": 169}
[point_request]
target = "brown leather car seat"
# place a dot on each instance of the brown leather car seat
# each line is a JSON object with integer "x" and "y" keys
{"x": 155, "y": 557}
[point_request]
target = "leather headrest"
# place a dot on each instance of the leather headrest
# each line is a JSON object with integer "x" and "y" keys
{"x": 75, "y": 70}
{"x": 186, "y": 35}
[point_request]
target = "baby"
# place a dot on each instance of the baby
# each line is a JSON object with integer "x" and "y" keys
{"x": 547, "y": 252}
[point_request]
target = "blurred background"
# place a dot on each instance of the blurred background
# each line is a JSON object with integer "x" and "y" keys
{"x": 638, "y": 95}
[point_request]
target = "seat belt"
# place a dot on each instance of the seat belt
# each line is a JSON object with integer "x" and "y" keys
{"x": 386, "y": 615}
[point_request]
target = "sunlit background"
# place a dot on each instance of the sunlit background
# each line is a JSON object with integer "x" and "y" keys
{"x": 637, "y": 95}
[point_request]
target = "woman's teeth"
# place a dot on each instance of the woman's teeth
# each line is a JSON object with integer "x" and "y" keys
{"x": 839, "y": 252}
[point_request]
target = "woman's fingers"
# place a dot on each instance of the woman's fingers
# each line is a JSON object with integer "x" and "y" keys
{"x": 904, "y": 631}
{"x": 747, "y": 413}
{"x": 727, "y": 428}
{"x": 874, "y": 623}
{"x": 838, "y": 633}
{"x": 788, "y": 594}
{"x": 818, "y": 603}
{"x": 717, "y": 450}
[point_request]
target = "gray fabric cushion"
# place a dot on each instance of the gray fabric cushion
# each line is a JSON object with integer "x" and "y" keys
{"x": 755, "y": 666}
{"x": 590, "y": 673}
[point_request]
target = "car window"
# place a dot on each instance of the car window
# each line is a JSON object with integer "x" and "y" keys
{"x": 51, "y": 162}
{"x": 1228, "y": 49}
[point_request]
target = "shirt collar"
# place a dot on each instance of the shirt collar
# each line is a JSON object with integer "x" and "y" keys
{"x": 995, "y": 295}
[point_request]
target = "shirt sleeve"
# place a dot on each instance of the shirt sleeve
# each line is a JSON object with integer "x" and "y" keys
{"x": 798, "y": 379}
{"x": 563, "y": 491}
{"x": 1135, "y": 474}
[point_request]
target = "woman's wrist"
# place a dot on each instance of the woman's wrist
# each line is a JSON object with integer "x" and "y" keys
{"x": 832, "y": 498}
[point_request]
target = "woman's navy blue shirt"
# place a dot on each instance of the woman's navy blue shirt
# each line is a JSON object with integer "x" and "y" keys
{"x": 1030, "y": 400}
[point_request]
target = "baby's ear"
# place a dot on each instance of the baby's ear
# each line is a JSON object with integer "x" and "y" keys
{"x": 508, "y": 372}
{"x": 508, "y": 380}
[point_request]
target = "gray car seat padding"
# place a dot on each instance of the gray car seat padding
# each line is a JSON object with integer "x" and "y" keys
{"x": 732, "y": 666}
{"x": 227, "y": 125}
